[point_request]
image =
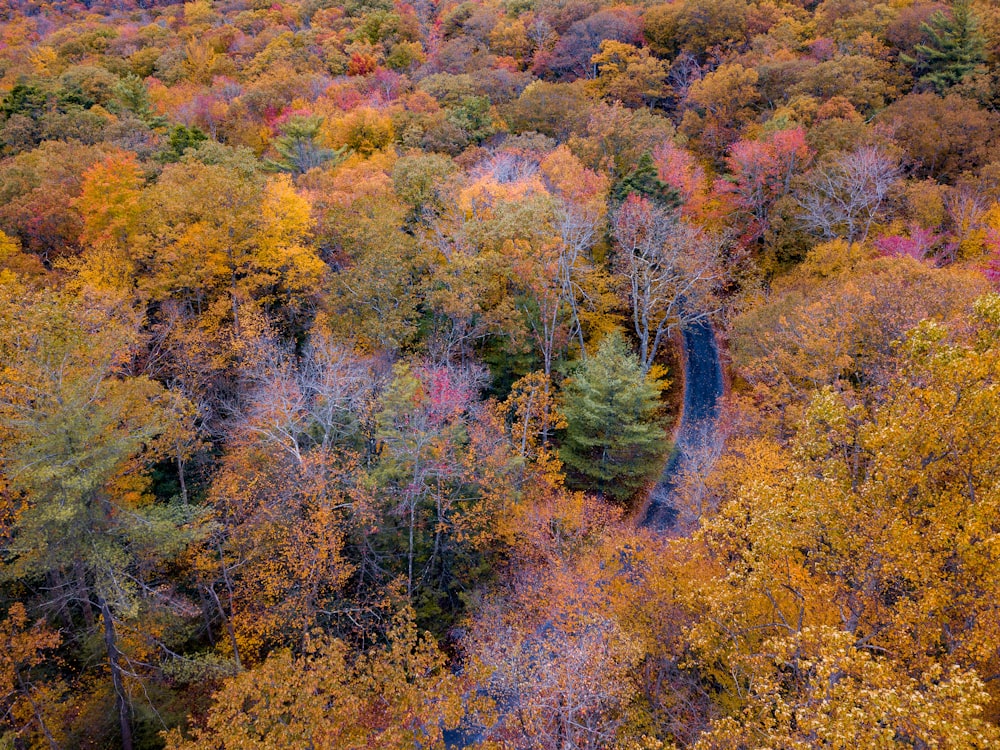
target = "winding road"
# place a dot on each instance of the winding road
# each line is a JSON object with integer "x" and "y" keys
{"x": 703, "y": 387}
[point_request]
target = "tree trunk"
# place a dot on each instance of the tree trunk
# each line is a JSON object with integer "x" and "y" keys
{"x": 229, "y": 627}
{"x": 82, "y": 595}
{"x": 180, "y": 478}
{"x": 409, "y": 555}
{"x": 26, "y": 691}
{"x": 228, "y": 620}
{"x": 121, "y": 702}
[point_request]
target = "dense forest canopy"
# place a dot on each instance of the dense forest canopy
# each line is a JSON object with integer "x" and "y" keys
{"x": 343, "y": 349}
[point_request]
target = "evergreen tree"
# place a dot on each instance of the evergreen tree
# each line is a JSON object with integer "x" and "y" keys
{"x": 614, "y": 439}
{"x": 645, "y": 181}
{"x": 130, "y": 96}
{"x": 181, "y": 138}
{"x": 24, "y": 99}
{"x": 299, "y": 148}
{"x": 954, "y": 49}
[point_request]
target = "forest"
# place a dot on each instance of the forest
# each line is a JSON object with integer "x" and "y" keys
{"x": 502, "y": 374}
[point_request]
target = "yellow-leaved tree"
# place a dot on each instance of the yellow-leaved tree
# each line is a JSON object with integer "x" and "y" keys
{"x": 395, "y": 696}
{"x": 880, "y": 521}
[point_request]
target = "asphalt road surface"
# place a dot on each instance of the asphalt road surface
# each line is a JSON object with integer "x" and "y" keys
{"x": 703, "y": 387}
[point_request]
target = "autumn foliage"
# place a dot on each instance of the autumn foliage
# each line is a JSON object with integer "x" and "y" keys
{"x": 342, "y": 354}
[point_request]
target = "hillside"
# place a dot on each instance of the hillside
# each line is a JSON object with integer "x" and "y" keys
{"x": 359, "y": 364}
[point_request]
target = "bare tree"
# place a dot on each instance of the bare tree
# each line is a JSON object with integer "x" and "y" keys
{"x": 505, "y": 167}
{"x": 577, "y": 226}
{"x": 967, "y": 211}
{"x": 668, "y": 267}
{"x": 684, "y": 71}
{"x": 298, "y": 404}
{"x": 556, "y": 281}
{"x": 540, "y": 33}
{"x": 844, "y": 198}
{"x": 338, "y": 386}
{"x": 563, "y": 684}
{"x": 692, "y": 494}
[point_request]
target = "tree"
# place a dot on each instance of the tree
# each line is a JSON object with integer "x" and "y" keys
{"x": 533, "y": 413}
{"x": 78, "y": 437}
{"x": 109, "y": 201}
{"x": 542, "y": 274}
{"x": 580, "y": 209}
{"x": 839, "y": 322}
{"x": 680, "y": 170}
{"x": 699, "y": 27}
{"x": 541, "y": 239}
{"x": 363, "y": 130}
{"x": 628, "y": 74}
{"x": 614, "y": 439}
{"x": 866, "y": 81}
{"x": 843, "y": 197}
{"x": 817, "y": 689}
{"x": 298, "y": 146}
{"x": 761, "y": 173}
{"x": 131, "y": 95}
{"x": 276, "y": 564}
{"x": 889, "y": 495}
{"x": 473, "y": 285}
{"x": 644, "y": 182}
{"x": 553, "y": 109}
{"x": 573, "y": 55}
{"x": 667, "y": 268}
{"x": 567, "y": 677}
{"x": 419, "y": 180}
{"x": 24, "y": 697}
{"x": 580, "y": 283}
{"x": 435, "y": 506}
{"x": 396, "y": 696}
{"x": 214, "y": 233}
{"x": 13, "y": 260}
{"x": 382, "y": 271}
{"x": 180, "y": 139}
{"x": 38, "y": 192}
{"x": 943, "y": 137}
{"x": 955, "y": 47}
{"x": 718, "y": 105}
{"x": 472, "y": 117}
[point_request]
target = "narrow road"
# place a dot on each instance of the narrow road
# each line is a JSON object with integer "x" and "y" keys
{"x": 703, "y": 387}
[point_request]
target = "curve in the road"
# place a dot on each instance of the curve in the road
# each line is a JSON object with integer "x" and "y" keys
{"x": 703, "y": 389}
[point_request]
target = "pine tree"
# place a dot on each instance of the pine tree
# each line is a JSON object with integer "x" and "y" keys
{"x": 181, "y": 138}
{"x": 645, "y": 181}
{"x": 955, "y": 47}
{"x": 299, "y": 148}
{"x": 614, "y": 440}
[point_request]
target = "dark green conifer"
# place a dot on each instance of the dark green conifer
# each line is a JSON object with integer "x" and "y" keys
{"x": 614, "y": 440}
{"x": 644, "y": 180}
{"x": 955, "y": 47}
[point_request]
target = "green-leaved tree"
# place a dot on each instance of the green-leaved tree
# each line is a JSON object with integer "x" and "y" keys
{"x": 78, "y": 435}
{"x": 299, "y": 146}
{"x": 955, "y": 47}
{"x": 645, "y": 182}
{"x": 614, "y": 440}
